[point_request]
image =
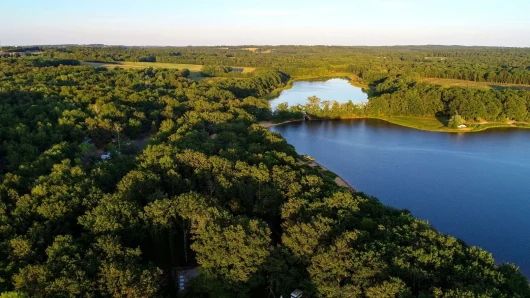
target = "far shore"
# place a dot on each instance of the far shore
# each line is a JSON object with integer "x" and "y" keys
{"x": 419, "y": 123}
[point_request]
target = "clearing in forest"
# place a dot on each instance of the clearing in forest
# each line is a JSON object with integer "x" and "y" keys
{"x": 471, "y": 84}
{"x": 142, "y": 65}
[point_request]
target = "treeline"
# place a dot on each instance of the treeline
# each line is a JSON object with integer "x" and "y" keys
{"x": 405, "y": 97}
{"x": 260, "y": 84}
{"x": 410, "y": 98}
{"x": 479, "y": 64}
{"x": 212, "y": 190}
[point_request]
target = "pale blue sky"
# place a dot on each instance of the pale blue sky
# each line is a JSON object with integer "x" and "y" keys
{"x": 239, "y": 22}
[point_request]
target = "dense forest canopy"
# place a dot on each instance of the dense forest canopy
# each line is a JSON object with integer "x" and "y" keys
{"x": 480, "y": 64}
{"x": 193, "y": 181}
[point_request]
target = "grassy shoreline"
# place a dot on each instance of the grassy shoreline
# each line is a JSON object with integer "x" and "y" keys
{"x": 432, "y": 124}
{"x": 420, "y": 123}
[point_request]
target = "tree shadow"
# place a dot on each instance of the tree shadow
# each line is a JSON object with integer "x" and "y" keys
{"x": 502, "y": 88}
{"x": 443, "y": 119}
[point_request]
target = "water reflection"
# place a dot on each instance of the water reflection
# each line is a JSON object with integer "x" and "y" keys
{"x": 473, "y": 186}
{"x": 339, "y": 90}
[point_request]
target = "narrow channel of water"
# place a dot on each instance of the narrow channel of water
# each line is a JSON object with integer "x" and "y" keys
{"x": 339, "y": 90}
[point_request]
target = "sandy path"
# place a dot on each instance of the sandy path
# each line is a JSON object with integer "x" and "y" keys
{"x": 338, "y": 180}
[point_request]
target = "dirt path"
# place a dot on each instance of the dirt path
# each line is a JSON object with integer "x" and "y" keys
{"x": 268, "y": 124}
{"x": 338, "y": 180}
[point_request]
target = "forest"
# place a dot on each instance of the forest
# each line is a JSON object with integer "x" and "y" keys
{"x": 405, "y": 97}
{"x": 194, "y": 182}
{"x": 478, "y": 64}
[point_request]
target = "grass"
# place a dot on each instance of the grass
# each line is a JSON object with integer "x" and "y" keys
{"x": 250, "y": 49}
{"x": 438, "y": 124}
{"x": 428, "y": 123}
{"x": 195, "y": 69}
{"x": 142, "y": 65}
{"x": 254, "y": 50}
{"x": 470, "y": 84}
{"x": 244, "y": 68}
{"x": 484, "y": 126}
{"x": 423, "y": 123}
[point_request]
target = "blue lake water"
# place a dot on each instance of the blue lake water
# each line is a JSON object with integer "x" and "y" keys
{"x": 339, "y": 90}
{"x": 473, "y": 186}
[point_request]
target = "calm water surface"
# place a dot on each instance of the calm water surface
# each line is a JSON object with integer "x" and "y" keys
{"x": 473, "y": 186}
{"x": 335, "y": 89}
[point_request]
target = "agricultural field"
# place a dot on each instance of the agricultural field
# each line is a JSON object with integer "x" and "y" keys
{"x": 195, "y": 69}
{"x": 470, "y": 84}
{"x": 257, "y": 50}
{"x": 141, "y": 65}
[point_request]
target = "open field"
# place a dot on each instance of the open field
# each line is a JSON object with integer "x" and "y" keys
{"x": 470, "y": 84}
{"x": 254, "y": 50}
{"x": 142, "y": 65}
{"x": 195, "y": 69}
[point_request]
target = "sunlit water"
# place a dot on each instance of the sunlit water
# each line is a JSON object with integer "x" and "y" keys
{"x": 339, "y": 90}
{"x": 474, "y": 186}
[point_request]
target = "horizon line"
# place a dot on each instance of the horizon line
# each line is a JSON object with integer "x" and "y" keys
{"x": 266, "y": 45}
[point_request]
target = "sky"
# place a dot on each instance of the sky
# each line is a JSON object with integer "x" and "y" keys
{"x": 266, "y": 22}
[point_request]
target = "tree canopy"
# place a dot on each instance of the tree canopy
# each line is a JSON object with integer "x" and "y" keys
{"x": 195, "y": 182}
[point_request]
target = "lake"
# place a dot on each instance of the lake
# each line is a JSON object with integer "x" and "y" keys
{"x": 339, "y": 90}
{"x": 473, "y": 186}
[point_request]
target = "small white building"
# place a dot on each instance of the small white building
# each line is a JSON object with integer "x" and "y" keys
{"x": 462, "y": 126}
{"x": 297, "y": 294}
{"x": 105, "y": 156}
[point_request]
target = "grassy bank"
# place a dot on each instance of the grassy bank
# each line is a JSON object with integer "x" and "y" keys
{"x": 429, "y": 123}
{"x": 435, "y": 124}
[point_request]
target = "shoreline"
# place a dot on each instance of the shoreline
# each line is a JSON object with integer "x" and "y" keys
{"x": 444, "y": 129}
{"x": 338, "y": 179}
{"x": 353, "y": 79}
{"x": 313, "y": 163}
